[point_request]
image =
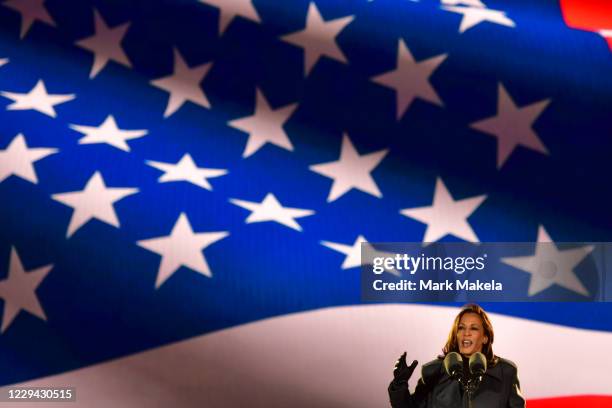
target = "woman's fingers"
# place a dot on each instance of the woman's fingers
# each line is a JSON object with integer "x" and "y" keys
{"x": 401, "y": 361}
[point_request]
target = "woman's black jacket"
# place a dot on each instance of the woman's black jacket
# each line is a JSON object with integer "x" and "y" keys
{"x": 499, "y": 389}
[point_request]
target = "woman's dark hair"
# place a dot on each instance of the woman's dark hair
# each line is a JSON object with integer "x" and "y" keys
{"x": 487, "y": 349}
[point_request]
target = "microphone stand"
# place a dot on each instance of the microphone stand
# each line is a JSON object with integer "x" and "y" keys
{"x": 469, "y": 385}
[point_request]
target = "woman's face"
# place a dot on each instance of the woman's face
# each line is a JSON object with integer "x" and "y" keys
{"x": 470, "y": 334}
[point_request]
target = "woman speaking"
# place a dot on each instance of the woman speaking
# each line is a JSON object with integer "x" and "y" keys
{"x": 468, "y": 374}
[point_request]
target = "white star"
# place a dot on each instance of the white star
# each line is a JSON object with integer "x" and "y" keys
{"x": 108, "y": 133}
{"x": 3, "y": 61}
{"x": 446, "y": 216}
{"x": 37, "y": 99}
{"x": 410, "y": 79}
{"x": 30, "y": 10}
{"x": 473, "y": 3}
{"x": 186, "y": 170}
{"x": 182, "y": 247}
{"x": 265, "y": 126}
{"x": 232, "y": 8}
{"x": 549, "y": 266}
{"x": 318, "y": 38}
{"x": 105, "y": 44}
{"x": 353, "y": 253}
{"x": 17, "y": 159}
{"x": 351, "y": 171}
{"x": 94, "y": 201}
{"x": 475, "y": 15}
{"x": 271, "y": 210}
{"x": 183, "y": 85}
{"x": 513, "y": 126}
{"x": 18, "y": 291}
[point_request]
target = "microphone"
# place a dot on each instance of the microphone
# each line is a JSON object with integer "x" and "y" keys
{"x": 478, "y": 365}
{"x": 453, "y": 365}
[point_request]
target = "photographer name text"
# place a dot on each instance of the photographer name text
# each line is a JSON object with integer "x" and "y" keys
{"x": 435, "y": 286}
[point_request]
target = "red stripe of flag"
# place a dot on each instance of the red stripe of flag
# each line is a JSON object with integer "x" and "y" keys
{"x": 589, "y": 15}
{"x": 585, "y": 401}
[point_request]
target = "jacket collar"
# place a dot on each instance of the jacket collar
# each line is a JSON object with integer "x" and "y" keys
{"x": 495, "y": 372}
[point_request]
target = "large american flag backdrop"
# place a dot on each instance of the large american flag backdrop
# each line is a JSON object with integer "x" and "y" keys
{"x": 184, "y": 187}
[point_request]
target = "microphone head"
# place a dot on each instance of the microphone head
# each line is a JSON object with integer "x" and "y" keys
{"x": 453, "y": 365}
{"x": 478, "y": 364}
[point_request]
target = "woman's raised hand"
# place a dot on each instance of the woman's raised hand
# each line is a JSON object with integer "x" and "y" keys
{"x": 402, "y": 371}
